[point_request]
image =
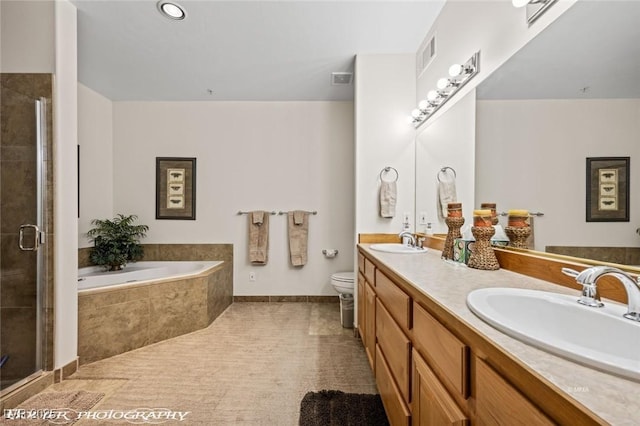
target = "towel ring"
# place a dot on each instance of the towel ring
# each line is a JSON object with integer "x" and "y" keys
{"x": 444, "y": 171}
{"x": 387, "y": 170}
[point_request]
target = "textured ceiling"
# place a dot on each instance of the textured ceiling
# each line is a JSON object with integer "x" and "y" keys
{"x": 239, "y": 50}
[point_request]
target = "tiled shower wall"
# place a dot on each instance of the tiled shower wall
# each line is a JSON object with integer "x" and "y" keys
{"x": 18, "y": 176}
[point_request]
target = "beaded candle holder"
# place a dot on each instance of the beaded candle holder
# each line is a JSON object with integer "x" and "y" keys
{"x": 454, "y": 224}
{"x": 482, "y": 256}
{"x": 518, "y": 236}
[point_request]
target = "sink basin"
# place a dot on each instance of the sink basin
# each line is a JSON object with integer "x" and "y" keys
{"x": 596, "y": 337}
{"x": 397, "y": 248}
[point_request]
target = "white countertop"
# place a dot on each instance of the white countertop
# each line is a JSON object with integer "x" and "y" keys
{"x": 614, "y": 399}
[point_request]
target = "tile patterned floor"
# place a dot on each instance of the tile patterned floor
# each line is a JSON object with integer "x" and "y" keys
{"x": 252, "y": 366}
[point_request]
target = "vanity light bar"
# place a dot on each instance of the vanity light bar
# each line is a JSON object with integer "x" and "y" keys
{"x": 459, "y": 75}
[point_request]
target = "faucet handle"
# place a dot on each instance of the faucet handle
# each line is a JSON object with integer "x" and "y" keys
{"x": 570, "y": 272}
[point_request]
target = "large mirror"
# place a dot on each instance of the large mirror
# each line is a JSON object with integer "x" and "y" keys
{"x": 570, "y": 94}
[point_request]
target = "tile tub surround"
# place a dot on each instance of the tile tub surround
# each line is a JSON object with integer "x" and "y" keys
{"x": 112, "y": 322}
{"x": 445, "y": 285}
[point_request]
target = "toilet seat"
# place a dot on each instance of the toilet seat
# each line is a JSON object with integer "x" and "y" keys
{"x": 344, "y": 277}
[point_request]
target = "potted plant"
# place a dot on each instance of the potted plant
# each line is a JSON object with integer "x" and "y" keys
{"x": 116, "y": 241}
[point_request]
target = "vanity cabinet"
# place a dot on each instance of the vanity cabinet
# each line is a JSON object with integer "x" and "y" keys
{"x": 431, "y": 368}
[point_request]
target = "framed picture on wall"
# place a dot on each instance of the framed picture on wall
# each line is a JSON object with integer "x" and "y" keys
{"x": 608, "y": 189}
{"x": 175, "y": 188}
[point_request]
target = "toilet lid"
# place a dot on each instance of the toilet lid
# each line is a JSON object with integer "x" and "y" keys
{"x": 346, "y": 277}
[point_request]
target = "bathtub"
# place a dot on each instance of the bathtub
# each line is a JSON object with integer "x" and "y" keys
{"x": 148, "y": 302}
{"x": 139, "y": 273}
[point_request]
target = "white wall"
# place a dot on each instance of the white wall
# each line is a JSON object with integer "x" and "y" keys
{"x": 26, "y": 41}
{"x": 65, "y": 101}
{"x": 95, "y": 136}
{"x": 497, "y": 30}
{"x": 384, "y": 96}
{"x": 250, "y": 156}
{"x": 442, "y": 143}
{"x": 552, "y": 139}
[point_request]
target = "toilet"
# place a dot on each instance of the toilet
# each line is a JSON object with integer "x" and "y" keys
{"x": 343, "y": 282}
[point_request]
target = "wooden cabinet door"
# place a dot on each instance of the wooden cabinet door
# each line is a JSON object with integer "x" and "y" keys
{"x": 431, "y": 404}
{"x": 361, "y": 308}
{"x": 370, "y": 324}
{"x": 499, "y": 403}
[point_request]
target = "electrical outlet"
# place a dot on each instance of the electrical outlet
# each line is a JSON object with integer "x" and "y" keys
{"x": 405, "y": 217}
{"x": 423, "y": 218}
{"x": 252, "y": 276}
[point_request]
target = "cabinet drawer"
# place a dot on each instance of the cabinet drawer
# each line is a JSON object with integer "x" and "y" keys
{"x": 497, "y": 402}
{"x": 396, "y": 348}
{"x": 397, "y": 302}
{"x": 432, "y": 404}
{"x": 397, "y": 411}
{"x": 360, "y": 262}
{"x": 445, "y": 353}
{"x": 370, "y": 272}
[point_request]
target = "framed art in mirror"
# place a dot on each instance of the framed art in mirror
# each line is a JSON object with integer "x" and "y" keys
{"x": 175, "y": 188}
{"x": 607, "y": 189}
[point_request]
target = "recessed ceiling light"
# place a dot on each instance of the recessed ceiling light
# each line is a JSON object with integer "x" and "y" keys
{"x": 171, "y": 10}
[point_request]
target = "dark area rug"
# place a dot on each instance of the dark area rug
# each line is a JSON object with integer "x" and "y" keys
{"x": 336, "y": 408}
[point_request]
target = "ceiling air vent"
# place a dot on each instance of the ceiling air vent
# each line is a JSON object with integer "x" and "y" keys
{"x": 341, "y": 78}
{"x": 427, "y": 54}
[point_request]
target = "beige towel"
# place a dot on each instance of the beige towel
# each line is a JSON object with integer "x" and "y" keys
{"x": 446, "y": 195}
{"x": 258, "y": 237}
{"x": 298, "y": 233}
{"x": 531, "y": 241}
{"x": 388, "y": 196}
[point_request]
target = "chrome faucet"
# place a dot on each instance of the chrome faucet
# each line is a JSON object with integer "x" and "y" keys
{"x": 590, "y": 296}
{"x": 411, "y": 239}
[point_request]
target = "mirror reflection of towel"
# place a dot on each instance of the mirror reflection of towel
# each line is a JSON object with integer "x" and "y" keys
{"x": 388, "y": 196}
{"x": 298, "y": 228}
{"x": 259, "y": 237}
{"x": 446, "y": 195}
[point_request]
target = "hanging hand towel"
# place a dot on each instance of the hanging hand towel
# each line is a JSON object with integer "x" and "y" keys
{"x": 298, "y": 227}
{"x": 258, "y": 237}
{"x": 388, "y": 196}
{"x": 446, "y": 195}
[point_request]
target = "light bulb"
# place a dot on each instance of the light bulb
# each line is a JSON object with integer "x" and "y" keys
{"x": 455, "y": 70}
{"x": 415, "y": 113}
{"x": 171, "y": 10}
{"x": 423, "y": 105}
{"x": 519, "y": 3}
{"x": 433, "y": 95}
{"x": 443, "y": 83}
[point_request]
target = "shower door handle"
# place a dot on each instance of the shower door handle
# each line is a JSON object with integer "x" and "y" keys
{"x": 36, "y": 238}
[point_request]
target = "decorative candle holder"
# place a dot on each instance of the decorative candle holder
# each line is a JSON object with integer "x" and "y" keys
{"x": 454, "y": 224}
{"x": 518, "y": 236}
{"x": 482, "y": 256}
{"x": 494, "y": 212}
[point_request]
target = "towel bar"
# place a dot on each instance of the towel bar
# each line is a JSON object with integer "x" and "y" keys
{"x": 530, "y": 214}
{"x": 241, "y": 212}
{"x": 313, "y": 212}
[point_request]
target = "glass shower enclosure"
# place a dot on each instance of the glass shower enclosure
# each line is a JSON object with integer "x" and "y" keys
{"x": 25, "y": 217}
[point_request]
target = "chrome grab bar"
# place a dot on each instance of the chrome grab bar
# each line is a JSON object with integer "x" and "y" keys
{"x": 36, "y": 238}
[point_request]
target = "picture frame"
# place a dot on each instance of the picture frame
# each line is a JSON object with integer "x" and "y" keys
{"x": 176, "y": 188}
{"x": 608, "y": 189}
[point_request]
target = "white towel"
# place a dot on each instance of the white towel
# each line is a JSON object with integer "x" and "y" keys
{"x": 388, "y": 196}
{"x": 446, "y": 195}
